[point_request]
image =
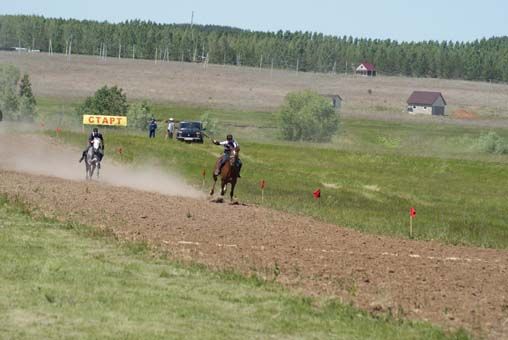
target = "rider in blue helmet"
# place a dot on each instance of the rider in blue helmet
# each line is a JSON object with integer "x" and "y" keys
{"x": 229, "y": 145}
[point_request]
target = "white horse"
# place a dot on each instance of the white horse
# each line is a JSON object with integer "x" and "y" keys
{"x": 93, "y": 158}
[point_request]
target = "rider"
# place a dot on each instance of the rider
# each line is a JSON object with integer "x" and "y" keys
{"x": 95, "y": 134}
{"x": 229, "y": 145}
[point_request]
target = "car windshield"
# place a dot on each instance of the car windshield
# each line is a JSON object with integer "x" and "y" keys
{"x": 190, "y": 125}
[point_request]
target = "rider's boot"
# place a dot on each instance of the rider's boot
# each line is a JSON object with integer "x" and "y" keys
{"x": 239, "y": 169}
{"x": 218, "y": 168}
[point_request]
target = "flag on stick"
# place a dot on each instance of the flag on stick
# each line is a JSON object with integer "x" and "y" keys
{"x": 412, "y": 214}
{"x": 317, "y": 194}
{"x": 262, "y": 185}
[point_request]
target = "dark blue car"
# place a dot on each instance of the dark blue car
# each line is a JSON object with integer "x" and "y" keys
{"x": 190, "y": 132}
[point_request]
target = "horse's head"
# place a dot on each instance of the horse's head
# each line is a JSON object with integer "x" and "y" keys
{"x": 96, "y": 144}
{"x": 234, "y": 155}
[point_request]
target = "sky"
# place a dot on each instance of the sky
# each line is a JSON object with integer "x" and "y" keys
{"x": 456, "y": 20}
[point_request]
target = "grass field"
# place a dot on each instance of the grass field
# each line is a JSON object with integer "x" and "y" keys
{"x": 63, "y": 280}
{"x": 369, "y": 175}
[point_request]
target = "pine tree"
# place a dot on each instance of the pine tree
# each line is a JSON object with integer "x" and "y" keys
{"x": 25, "y": 89}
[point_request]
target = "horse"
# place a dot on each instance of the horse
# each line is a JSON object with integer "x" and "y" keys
{"x": 228, "y": 174}
{"x": 93, "y": 159}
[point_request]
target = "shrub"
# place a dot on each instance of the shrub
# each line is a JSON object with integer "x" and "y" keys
{"x": 307, "y": 116}
{"x": 138, "y": 115}
{"x": 25, "y": 89}
{"x": 492, "y": 143}
{"x": 209, "y": 124}
{"x": 107, "y": 101}
{"x": 27, "y": 110}
{"x": 9, "y": 77}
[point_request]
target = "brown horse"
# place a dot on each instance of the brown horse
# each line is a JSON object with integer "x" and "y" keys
{"x": 228, "y": 174}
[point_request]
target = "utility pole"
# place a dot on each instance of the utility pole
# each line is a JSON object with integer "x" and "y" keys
{"x": 297, "y": 64}
{"x": 261, "y": 62}
{"x": 133, "y": 51}
{"x": 155, "y": 56}
{"x": 50, "y": 48}
{"x": 119, "y": 50}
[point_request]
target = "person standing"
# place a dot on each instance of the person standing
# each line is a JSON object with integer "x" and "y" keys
{"x": 171, "y": 128}
{"x": 152, "y": 127}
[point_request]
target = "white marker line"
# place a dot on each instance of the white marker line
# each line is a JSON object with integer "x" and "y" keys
{"x": 188, "y": 242}
{"x": 227, "y": 245}
{"x": 413, "y": 256}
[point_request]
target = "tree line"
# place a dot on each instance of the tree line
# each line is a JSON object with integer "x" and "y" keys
{"x": 485, "y": 59}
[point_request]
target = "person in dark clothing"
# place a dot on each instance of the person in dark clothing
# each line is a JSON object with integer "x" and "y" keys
{"x": 151, "y": 128}
{"x": 95, "y": 134}
{"x": 229, "y": 145}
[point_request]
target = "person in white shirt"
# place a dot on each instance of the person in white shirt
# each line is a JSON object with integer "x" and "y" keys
{"x": 171, "y": 128}
{"x": 229, "y": 145}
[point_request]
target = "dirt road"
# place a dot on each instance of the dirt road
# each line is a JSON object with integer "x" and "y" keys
{"x": 451, "y": 286}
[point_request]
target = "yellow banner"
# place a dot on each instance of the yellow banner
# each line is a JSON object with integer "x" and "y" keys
{"x": 104, "y": 120}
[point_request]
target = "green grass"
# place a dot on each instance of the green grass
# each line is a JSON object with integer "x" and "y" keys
{"x": 369, "y": 175}
{"x": 70, "y": 281}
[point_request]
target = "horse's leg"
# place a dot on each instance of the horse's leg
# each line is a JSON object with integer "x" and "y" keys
{"x": 98, "y": 170}
{"x": 213, "y": 187}
{"x": 232, "y": 193}
{"x": 224, "y": 187}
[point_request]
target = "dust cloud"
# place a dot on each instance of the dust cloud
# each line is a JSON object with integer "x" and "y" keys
{"x": 40, "y": 155}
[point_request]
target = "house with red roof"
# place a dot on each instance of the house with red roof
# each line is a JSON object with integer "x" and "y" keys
{"x": 426, "y": 102}
{"x": 366, "y": 69}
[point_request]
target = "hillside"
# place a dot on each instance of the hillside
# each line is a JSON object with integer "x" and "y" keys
{"x": 245, "y": 88}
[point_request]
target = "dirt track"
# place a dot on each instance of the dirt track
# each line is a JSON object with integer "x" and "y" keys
{"x": 452, "y": 286}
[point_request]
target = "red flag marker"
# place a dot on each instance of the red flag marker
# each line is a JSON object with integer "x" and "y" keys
{"x": 412, "y": 212}
{"x": 317, "y": 193}
{"x": 262, "y": 184}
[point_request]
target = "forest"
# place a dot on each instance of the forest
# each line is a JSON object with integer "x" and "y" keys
{"x": 485, "y": 59}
